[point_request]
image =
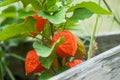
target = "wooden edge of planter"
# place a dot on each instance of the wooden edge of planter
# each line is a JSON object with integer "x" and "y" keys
{"x": 105, "y": 66}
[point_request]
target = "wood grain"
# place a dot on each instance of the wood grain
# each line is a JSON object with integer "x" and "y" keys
{"x": 105, "y": 66}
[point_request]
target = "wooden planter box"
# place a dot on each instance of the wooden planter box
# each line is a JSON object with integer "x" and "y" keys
{"x": 105, "y": 66}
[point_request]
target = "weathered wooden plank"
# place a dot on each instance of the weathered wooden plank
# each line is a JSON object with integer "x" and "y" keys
{"x": 105, "y": 66}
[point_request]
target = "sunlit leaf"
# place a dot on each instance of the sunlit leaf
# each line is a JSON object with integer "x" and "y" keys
{"x": 92, "y": 6}
{"x": 81, "y": 14}
{"x": 18, "y": 29}
{"x": 56, "y": 18}
{"x": 44, "y": 51}
{"x": 9, "y": 12}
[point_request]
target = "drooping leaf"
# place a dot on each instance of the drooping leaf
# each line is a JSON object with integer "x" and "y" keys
{"x": 56, "y": 18}
{"x": 81, "y": 50}
{"x": 92, "y": 6}
{"x": 47, "y": 61}
{"x": 18, "y": 29}
{"x": 81, "y": 14}
{"x": 44, "y": 51}
{"x": 45, "y": 75}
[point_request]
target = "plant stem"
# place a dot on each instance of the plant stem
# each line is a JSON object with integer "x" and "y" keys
{"x": 9, "y": 72}
{"x": 17, "y": 57}
{"x": 1, "y": 68}
{"x": 111, "y": 11}
{"x": 52, "y": 29}
{"x": 92, "y": 39}
{"x": 53, "y": 70}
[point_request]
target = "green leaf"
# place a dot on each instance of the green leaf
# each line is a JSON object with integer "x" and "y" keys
{"x": 7, "y": 2}
{"x": 24, "y": 14}
{"x": 35, "y": 3}
{"x": 53, "y": 9}
{"x": 56, "y": 18}
{"x": 18, "y": 29}
{"x": 81, "y": 14}
{"x": 47, "y": 61}
{"x": 9, "y": 9}
{"x": 9, "y": 21}
{"x": 70, "y": 24}
{"x": 9, "y": 12}
{"x": 44, "y": 51}
{"x": 50, "y": 3}
{"x": 92, "y": 6}
{"x": 61, "y": 69}
{"x": 47, "y": 31}
{"x": 45, "y": 75}
{"x": 57, "y": 43}
{"x": 50, "y": 6}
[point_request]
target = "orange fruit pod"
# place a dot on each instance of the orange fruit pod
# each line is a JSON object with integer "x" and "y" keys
{"x": 32, "y": 64}
{"x": 74, "y": 63}
{"x": 69, "y": 47}
{"x": 40, "y": 22}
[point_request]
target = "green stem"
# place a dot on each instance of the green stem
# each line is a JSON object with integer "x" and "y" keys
{"x": 43, "y": 32}
{"x": 52, "y": 29}
{"x": 111, "y": 11}
{"x": 53, "y": 70}
{"x": 1, "y": 68}
{"x": 9, "y": 72}
{"x": 92, "y": 39}
{"x": 17, "y": 57}
{"x": 43, "y": 37}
